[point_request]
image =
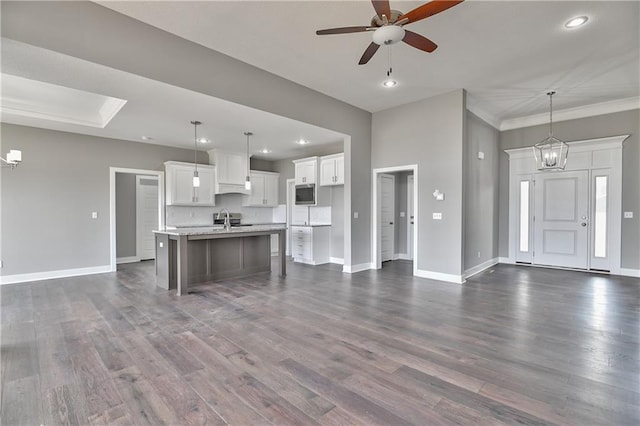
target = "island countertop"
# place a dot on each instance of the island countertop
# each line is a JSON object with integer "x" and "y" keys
{"x": 212, "y": 230}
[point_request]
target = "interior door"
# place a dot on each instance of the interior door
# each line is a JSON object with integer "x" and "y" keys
{"x": 146, "y": 216}
{"x": 387, "y": 216}
{"x": 411, "y": 220}
{"x": 561, "y": 219}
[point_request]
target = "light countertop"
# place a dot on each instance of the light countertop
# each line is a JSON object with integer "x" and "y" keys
{"x": 219, "y": 229}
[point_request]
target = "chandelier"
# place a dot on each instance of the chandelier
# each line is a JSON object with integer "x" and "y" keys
{"x": 551, "y": 153}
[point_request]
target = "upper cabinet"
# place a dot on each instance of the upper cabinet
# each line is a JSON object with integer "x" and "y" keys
{"x": 180, "y": 190}
{"x": 332, "y": 170}
{"x": 306, "y": 170}
{"x": 264, "y": 190}
{"x": 231, "y": 171}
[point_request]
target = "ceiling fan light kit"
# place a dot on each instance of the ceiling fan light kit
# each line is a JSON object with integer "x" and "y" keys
{"x": 387, "y": 26}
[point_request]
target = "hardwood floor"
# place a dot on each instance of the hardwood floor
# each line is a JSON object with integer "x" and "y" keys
{"x": 513, "y": 345}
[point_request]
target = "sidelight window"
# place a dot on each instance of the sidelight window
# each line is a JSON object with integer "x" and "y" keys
{"x": 600, "y": 218}
{"x": 524, "y": 216}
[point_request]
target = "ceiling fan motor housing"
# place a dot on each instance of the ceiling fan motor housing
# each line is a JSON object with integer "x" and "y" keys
{"x": 388, "y": 34}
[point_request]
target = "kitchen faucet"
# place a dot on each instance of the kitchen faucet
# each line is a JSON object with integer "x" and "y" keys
{"x": 227, "y": 222}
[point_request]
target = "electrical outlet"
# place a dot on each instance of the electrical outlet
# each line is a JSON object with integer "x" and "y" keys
{"x": 355, "y": 215}
{"x": 628, "y": 215}
{"x": 401, "y": 214}
{"x": 437, "y": 216}
{"x": 478, "y": 255}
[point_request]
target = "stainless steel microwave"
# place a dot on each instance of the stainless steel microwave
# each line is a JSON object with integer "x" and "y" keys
{"x": 306, "y": 194}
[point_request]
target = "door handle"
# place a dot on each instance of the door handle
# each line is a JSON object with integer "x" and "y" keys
{"x": 583, "y": 224}
{"x": 390, "y": 223}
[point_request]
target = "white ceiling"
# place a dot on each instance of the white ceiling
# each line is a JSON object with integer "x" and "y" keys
{"x": 506, "y": 54}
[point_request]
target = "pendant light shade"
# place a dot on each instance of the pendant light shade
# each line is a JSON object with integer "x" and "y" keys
{"x": 551, "y": 153}
{"x": 196, "y": 178}
{"x": 247, "y": 182}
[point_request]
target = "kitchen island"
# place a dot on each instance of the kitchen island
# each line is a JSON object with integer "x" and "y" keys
{"x": 186, "y": 256}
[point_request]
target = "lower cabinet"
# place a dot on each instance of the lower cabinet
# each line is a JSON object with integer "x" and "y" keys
{"x": 311, "y": 244}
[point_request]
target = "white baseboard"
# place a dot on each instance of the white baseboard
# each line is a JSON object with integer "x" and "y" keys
{"x": 481, "y": 267}
{"x": 404, "y": 256}
{"x": 504, "y": 260}
{"x": 630, "y": 272}
{"x": 352, "y": 269}
{"x": 48, "y": 275}
{"x": 130, "y": 259}
{"x": 336, "y": 260}
{"x": 451, "y": 278}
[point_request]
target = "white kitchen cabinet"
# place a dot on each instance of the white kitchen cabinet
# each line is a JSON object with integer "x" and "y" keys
{"x": 306, "y": 170}
{"x": 179, "y": 187}
{"x": 332, "y": 170}
{"x": 311, "y": 244}
{"x": 231, "y": 171}
{"x": 264, "y": 190}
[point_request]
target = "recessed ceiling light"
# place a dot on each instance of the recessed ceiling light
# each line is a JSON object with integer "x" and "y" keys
{"x": 265, "y": 151}
{"x": 576, "y": 22}
{"x": 203, "y": 140}
{"x": 390, "y": 83}
{"x": 146, "y": 138}
{"x": 302, "y": 142}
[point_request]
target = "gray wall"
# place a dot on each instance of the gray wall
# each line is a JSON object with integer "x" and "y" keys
{"x": 125, "y": 215}
{"x": 429, "y": 133}
{"x": 337, "y": 221}
{"x": 262, "y": 165}
{"x": 481, "y": 192}
{"x": 620, "y": 123}
{"x": 62, "y": 179}
{"x": 89, "y": 31}
{"x": 287, "y": 171}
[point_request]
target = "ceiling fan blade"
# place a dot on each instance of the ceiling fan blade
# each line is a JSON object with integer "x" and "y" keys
{"x": 382, "y": 8}
{"x": 343, "y": 30}
{"x": 371, "y": 50}
{"x": 418, "y": 41}
{"x": 428, "y": 9}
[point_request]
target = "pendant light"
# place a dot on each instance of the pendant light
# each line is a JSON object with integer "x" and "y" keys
{"x": 247, "y": 182}
{"x": 196, "y": 178}
{"x": 551, "y": 153}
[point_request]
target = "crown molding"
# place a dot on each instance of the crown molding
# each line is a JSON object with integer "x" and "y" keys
{"x": 474, "y": 106}
{"x": 602, "y": 108}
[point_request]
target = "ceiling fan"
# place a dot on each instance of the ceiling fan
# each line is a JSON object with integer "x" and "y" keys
{"x": 387, "y": 26}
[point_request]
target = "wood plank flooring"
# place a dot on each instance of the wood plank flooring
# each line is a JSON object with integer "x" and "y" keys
{"x": 513, "y": 345}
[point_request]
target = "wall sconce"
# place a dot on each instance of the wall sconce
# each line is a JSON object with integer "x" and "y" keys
{"x": 14, "y": 158}
{"x": 439, "y": 196}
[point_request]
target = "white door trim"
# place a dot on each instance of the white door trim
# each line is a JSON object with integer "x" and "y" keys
{"x": 290, "y": 183}
{"x": 375, "y": 237}
{"x": 589, "y": 154}
{"x": 410, "y": 217}
{"x": 112, "y": 205}
{"x": 393, "y": 216}
{"x": 139, "y": 211}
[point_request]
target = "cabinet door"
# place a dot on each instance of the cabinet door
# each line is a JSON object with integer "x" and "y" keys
{"x": 339, "y": 180}
{"x": 327, "y": 172}
{"x": 300, "y": 176}
{"x": 271, "y": 190}
{"x": 182, "y": 191}
{"x": 306, "y": 172}
{"x": 205, "y": 192}
{"x": 256, "y": 198}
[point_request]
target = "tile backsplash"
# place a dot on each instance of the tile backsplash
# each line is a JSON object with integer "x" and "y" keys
{"x": 203, "y": 216}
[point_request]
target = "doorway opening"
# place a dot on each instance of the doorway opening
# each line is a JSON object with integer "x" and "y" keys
{"x": 394, "y": 225}
{"x": 136, "y": 206}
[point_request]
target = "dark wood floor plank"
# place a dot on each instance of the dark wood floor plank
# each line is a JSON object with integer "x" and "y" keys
{"x": 341, "y": 396}
{"x": 513, "y": 345}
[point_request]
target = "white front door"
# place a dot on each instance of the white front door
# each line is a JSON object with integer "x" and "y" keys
{"x": 411, "y": 220}
{"x": 387, "y": 216}
{"x": 147, "y": 219}
{"x": 561, "y": 219}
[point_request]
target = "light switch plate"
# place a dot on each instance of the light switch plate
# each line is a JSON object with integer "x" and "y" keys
{"x": 628, "y": 215}
{"x": 355, "y": 215}
{"x": 401, "y": 214}
{"x": 437, "y": 216}
{"x": 480, "y": 155}
{"x": 161, "y": 244}
{"x": 94, "y": 215}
